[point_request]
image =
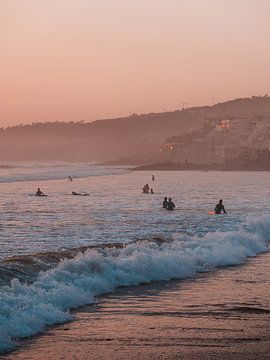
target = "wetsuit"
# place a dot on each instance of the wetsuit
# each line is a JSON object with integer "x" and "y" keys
{"x": 219, "y": 207}
{"x": 170, "y": 205}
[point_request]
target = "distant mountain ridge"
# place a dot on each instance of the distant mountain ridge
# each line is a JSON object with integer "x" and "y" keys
{"x": 111, "y": 139}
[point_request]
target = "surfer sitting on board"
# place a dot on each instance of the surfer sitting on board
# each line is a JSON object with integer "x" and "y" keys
{"x": 40, "y": 193}
{"x": 220, "y": 207}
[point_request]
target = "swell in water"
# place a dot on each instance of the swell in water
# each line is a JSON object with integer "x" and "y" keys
{"x": 17, "y": 172}
{"x": 54, "y": 283}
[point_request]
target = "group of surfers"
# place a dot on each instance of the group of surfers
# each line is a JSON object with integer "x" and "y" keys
{"x": 41, "y": 193}
{"x": 146, "y": 189}
{"x": 219, "y": 208}
{"x": 167, "y": 204}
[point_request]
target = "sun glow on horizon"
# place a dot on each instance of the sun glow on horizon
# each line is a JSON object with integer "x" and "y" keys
{"x": 72, "y": 60}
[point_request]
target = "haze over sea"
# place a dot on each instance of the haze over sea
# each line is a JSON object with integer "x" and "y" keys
{"x": 160, "y": 245}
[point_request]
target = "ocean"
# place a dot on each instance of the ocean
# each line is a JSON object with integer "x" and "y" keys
{"x": 61, "y": 252}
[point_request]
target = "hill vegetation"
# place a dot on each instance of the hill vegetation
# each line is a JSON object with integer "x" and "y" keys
{"x": 111, "y": 139}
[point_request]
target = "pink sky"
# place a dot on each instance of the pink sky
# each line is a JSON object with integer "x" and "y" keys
{"x": 88, "y": 59}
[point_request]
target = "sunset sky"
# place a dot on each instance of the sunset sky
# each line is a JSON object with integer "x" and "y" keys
{"x": 88, "y": 59}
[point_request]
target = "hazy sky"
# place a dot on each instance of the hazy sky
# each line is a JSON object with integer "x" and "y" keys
{"x": 88, "y": 59}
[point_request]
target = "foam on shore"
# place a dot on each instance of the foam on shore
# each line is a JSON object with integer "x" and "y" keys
{"x": 27, "y": 308}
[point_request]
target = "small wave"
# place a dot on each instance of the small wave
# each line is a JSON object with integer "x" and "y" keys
{"x": 27, "y": 308}
{"x": 26, "y": 268}
{"x": 4, "y": 166}
{"x": 249, "y": 310}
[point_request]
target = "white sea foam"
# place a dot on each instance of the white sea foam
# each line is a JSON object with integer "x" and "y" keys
{"x": 26, "y": 310}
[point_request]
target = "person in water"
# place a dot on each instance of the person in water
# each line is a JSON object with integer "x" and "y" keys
{"x": 146, "y": 189}
{"x": 40, "y": 193}
{"x": 170, "y": 204}
{"x": 165, "y": 202}
{"x": 220, "y": 207}
{"x": 151, "y": 191}
{"x": 153, "y": 178}
{"x": 81, "y": 194}
{"x": 70, "y": 179}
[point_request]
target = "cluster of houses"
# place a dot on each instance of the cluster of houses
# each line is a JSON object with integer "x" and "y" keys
{"x": 220, "y": 141}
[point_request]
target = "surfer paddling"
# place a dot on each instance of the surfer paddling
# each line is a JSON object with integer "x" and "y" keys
{"x": 80, "y": 194}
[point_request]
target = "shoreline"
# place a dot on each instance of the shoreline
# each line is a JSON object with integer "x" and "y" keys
{"x": 195, "y": 167}
{"x": 219, "y": 315}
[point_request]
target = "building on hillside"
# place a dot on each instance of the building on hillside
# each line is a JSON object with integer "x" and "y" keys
{"x": 220, "y": 140}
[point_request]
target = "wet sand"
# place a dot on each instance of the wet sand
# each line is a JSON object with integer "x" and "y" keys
{"x": 221, "y": 315}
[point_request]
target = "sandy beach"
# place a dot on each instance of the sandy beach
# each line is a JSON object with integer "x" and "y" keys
{"x": 222, "y": 315}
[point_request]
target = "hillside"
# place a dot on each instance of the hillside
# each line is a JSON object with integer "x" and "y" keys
{"x": 97, "y": 141}
{"x": 111, "y": 139}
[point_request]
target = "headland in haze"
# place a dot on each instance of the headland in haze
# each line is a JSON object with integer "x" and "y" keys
{"x": 233, "y": 135}
{"x": 261, "y": 162}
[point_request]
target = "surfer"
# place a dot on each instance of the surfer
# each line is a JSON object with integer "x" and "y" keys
{"x": 146, "y": 189}
{"x": 220, "y": 207}
{"x": 170, "y": 204}
{"x": 70, "y": 179}
{"x": 81, "y": 194}
{"x": 40, "y": 193}
{"x": 165, "y": 202}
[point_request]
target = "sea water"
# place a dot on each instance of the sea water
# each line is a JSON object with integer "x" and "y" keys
{"x": 59, "y": 252}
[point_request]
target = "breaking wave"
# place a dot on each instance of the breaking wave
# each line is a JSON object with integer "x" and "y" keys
{"x": 70, "y": 280}
{"x": 17, "y": 172}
